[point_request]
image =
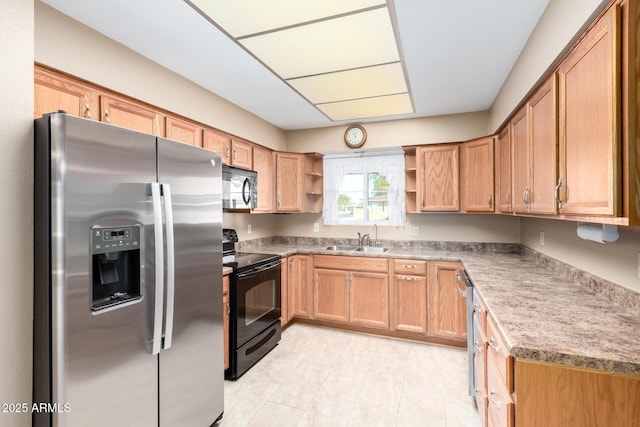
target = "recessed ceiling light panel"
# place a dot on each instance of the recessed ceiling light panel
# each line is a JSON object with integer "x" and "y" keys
{"x": 370, "y": 107}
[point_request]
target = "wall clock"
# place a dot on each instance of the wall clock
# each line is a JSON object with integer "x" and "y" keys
{"x": 355, "y": 136}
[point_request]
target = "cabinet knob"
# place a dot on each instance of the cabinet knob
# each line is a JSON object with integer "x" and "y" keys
{"x": 107, "y": 117}
{"x": 87, "y": 110}
{"x": 490, "y": 200}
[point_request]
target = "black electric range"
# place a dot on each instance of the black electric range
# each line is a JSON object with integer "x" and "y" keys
{"x": 255, "y": 305}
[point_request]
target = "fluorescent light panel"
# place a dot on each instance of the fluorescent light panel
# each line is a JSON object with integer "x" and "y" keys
{"x": 244, "y": 17}
{"x": 370, "y": 107}
{"x": 378, "y": 80}
{"x": 340, "y": 55}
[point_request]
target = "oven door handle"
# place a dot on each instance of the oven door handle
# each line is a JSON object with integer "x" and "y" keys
{"x": 259, "y": 269}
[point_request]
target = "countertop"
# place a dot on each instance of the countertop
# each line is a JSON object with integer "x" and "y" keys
{"x": 544, "y": 314}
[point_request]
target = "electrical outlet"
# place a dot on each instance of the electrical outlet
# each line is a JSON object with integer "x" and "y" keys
{"x": 316, "y": 227}
{"x": 542, "y": 238}
{"x": 414, "y": 231}
{"x": 249, "y": 229}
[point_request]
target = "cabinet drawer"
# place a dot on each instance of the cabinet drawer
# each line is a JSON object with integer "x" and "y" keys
{"x": 410, "y": 266}
{"x": 336, "y": 262}
{"x": 500, "y": 408}
{"x": 497, "y": 354}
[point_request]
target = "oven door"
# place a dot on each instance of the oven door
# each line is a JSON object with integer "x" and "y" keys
{"x": 258, "y": 301}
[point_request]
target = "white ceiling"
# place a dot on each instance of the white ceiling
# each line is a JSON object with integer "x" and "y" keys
{"x": 457, "y": 54}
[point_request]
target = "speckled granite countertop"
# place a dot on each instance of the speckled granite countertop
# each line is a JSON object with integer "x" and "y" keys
{"x": 546, "y": 310}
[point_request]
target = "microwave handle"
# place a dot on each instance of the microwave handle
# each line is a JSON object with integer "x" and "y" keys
{"x": 246, "y": 196}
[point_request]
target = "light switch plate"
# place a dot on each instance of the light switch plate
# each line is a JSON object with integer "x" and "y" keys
{"x": 316, "y": 227}
{"x": 249, "y": 229}
{"x": 542, "y": 238}
{"x": 414, "y": 231}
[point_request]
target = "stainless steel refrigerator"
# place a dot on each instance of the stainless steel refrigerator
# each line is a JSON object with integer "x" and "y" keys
{"x": 128, "y": 278}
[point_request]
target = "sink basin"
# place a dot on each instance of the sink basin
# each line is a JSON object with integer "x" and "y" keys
{"x": 340, "y": 248}
{"x": 373, "y": 249}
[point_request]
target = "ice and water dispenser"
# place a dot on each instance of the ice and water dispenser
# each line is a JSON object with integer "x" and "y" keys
{"x": 116, "y": 266}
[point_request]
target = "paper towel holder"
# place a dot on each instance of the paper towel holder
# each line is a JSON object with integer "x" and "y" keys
{"x": 601, "y": 233}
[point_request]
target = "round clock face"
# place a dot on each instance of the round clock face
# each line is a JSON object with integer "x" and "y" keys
{"x": 355, "y": 136}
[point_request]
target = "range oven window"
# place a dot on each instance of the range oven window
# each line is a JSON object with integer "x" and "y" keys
{"x": 259, "y": 301}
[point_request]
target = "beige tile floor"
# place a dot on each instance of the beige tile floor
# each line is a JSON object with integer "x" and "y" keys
{"x": 322, "y": 377}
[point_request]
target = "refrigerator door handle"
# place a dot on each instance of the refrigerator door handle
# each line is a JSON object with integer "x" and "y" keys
{"x": 168, "y": 215}
{"x": 159, "y": 268}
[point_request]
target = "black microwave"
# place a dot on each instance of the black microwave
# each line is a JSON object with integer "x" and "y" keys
{"x": 239, "y": 189}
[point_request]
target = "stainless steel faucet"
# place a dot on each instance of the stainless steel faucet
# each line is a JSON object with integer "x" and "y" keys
{"x": 361, "y": 239}
{"x": 375, "y": 230}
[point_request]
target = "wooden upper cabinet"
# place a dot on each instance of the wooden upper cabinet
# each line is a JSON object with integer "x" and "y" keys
{"x": 53, "y": 93}
{"x": 503, "y": 170}
{"x": 130, "y": 115}
{"x": 289, "y": 180}
{"x": 219, "y": 143}
{"x": 447, "y": 301}
{"x": 543, "y": 175}
{"x": 589, "y": 121}
{"x": 477, "y": 175}
{"x": 241, "y": 154}
{"x": 263, "y": 165}
{"x": 520, "y": 160}
{"x": 183, "y": 131}
{"x": 438, "y": 176}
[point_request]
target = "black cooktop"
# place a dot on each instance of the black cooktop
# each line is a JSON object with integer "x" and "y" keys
{"x": 248, "y": 259}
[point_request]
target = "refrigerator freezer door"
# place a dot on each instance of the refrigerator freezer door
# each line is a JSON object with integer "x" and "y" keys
{"x": 191, "y": 369}
{"x": 99, "y": 365}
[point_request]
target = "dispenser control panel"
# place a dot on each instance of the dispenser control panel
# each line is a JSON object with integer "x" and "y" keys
{"x": 114, "y": 239}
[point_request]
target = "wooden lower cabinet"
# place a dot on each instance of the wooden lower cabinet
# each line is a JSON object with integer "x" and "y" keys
{"x": 299, "y": 288}
{"x": 409, "y": 289}
{"x": 560, "y": 395}
{"x": 447, "y": 308}
{"x": 345, "y": 295}
{"x": 226, "y": 310}
{"x": 284, "y": 292}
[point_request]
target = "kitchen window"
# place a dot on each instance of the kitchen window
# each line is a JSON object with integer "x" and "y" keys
{"x": 364, "y": 189}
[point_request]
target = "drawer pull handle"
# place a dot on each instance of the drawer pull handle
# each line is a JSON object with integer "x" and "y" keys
{"x": 495, "y": 402}
{"x": 408, "y": 278}
{"x": 409, "y": 266}
{"x": 495, "y": 348}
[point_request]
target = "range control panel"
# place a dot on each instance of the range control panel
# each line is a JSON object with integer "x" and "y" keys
{"x": 114, "y": 239}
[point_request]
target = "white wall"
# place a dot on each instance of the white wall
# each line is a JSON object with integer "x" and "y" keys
{"x": 439, "y": 226}
{"x": 16, "y": 208}
{"x": 560, "y": 22}
{"x": 616, "y": 261}
{"x": 426, "y": 130}
{"x": 65, "y": 44}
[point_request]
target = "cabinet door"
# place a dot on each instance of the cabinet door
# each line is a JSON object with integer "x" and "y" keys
{"x": 439, "y": 177}
{"x": 520, "y": 165}
{"x": 219, "y": 143}
{"x": 289, "y": 170}
{"x": 589, "y": 86}
{"x": 369, "y": 299}
{"x": 410, "y": 303}
{"x": 183, "y": 131}
{"x": 263, "y": 164}
{"x": 477, "y": 175}
{"x": 503, "y": 170}
{"x": 331, "y": 295}
{"x": 447, "y": 301}
{"x": 544, "y": 148}
{"x": 127, "y": 114}
{"x": 53, "y": 92}
{"x": 242, "y": 154}
{"x": 300, "y": 295}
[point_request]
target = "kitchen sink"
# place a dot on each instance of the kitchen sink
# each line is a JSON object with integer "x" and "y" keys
{"x": 373, "y": 249}
{"x": 340, "y": 248}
